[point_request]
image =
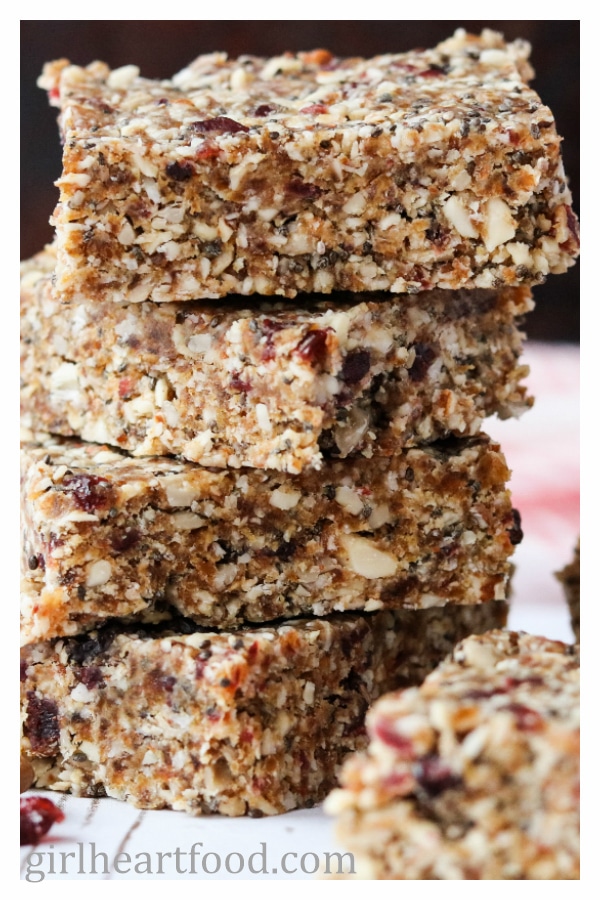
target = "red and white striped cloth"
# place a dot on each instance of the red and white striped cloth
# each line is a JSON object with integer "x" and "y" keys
{"x": 542, "y": 449}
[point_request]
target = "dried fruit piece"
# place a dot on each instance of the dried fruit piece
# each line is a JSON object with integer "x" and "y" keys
{"x": 90, "y": 492}
{"x": 38, "y": 815}
{"x": 356, "y": 365}
{"x": 41, "y": 725}
{"x": 313, "y": 346}
{"x": 218, "y": 125}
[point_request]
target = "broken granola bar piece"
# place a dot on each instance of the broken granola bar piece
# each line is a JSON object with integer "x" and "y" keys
{"x": 475, "y": 774}
{"x": 570, "y": 577}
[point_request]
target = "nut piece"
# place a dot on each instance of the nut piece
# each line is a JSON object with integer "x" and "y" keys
{"x": 366, "y": 559}
{"x": 499, "y": 224}
{"x": 458, "y": 216}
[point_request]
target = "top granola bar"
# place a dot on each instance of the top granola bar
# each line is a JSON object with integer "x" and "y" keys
{"x": 308, "y": 172}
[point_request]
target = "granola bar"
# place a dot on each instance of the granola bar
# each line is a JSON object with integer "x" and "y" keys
{"x": 256, "y": 721}
{"x": 271, "y": 387}
{"x": 309, "y": 172}
{"x": 474, "y": 775}
{"x": 570, "y": 577}
{"x": 106, "y": 535}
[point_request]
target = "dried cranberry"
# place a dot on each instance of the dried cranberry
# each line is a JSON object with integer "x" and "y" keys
{"x": 484, "y": 693}
{"x": 515, "y": 533}
{"x": 398, "y": 784}
{"x": 238, "y": 384}
{"x": 162, "y": 682}
{"x": 252, "y": 653}
{"x": 418, "y": 275}
{"x": 126, "y": 386}
{"x": 355, "y": 366}
{"x": 304, "y": 189}
{"x": 201, "y": 661}
{"x": 526, "y": 719}
{"x": 42, "y": 725}
{"x": 218, "y": 125}
{"x": 90, "y": 492}
{"x": 530, "y": 680}
{"x": 90, "y": 676}
{"x": 269, "y": 327}
{"x": 434, "y": 71}
{"x": 207, "y": 150}
{"x": 313, "y": 346}
{"x": 263, "y": 110}
{"x": 435, "y": 776}
{"x": 388, "y": 735}
{"x": 424, "y": 356}
{"x": 180, "y": 171}
{"x": 315, "y": 109}
{"x": 122, "y": 541}
{"x": 38, "y": 815}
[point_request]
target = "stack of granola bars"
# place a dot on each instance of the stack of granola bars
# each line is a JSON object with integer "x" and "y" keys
{"x": 283, "y": 296}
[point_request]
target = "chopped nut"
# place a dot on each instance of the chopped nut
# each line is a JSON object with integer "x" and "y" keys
{"x": 367, "y": 559}
{"x": 285, "y": 499}
{"x": 98, "y": 573}
{"x": 499, "y": 225}
{"x": 459, "y": 217}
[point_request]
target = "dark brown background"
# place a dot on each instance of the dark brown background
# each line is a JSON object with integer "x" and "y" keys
{"x": 162, "y": 48}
